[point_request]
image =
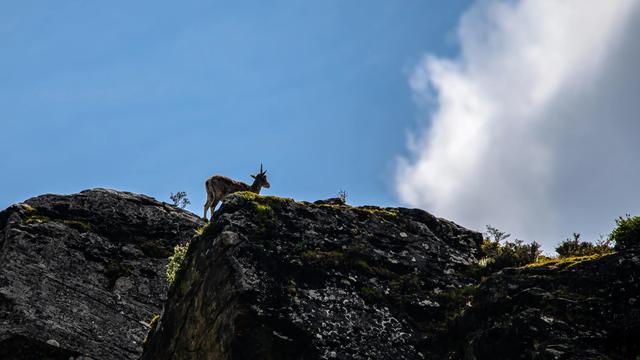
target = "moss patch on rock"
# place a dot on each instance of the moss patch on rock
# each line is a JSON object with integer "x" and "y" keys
{"x": 36, "y": 219}
{"x": 79, "y": 225}
{"x": 565, "y": 263}
{"x": 153, "y": 324}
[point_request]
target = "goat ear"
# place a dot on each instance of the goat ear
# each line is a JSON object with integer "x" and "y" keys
{"x": 253, "y": 176}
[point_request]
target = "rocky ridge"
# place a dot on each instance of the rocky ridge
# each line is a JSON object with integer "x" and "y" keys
{"x": 582, "y": 308}
{"x": 81, "y": 275}
{"x": 273, "y": 278}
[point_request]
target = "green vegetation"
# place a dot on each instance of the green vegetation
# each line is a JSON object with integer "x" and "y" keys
{"x": 374, "y": 210}
{"x": 264, "y": 199}
{"x": 500, "y": 253}
{"x": 455, "y": 300}
{"x": 175, "y": 262}
{"x": 564, "y": 263}
{"x": 334, "y": 257}
{"x": 627, "y": 232}
{"x": 408, "y": 283}
{"x": 36, "y": 219}
{"x": 28, "y": 208}
{"x": 574, "y": 247}
{"x": 79, "y": 225}
{"x": 342, "y": 195}
{"x": 352, "y": 258}
{"x": 115, "y": 270}
{"x": 201, "y": 229}
{"x": 371, "y": 293}
{"x": 180, "y": 199}
{"x": 153, "y": 324}
{"x": 366, "y": 210}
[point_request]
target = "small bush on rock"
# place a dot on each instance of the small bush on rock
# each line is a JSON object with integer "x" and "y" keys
{"x": 180, "y": 199}
{"x": 627, "y": 232}
{"x": 576, "y": 247}
{"x": 175, "y": 262}
{"x": 500, "y": 253}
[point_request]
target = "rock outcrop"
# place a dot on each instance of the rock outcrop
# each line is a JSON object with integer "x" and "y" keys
{"x": 272, "y": 278}
{"x": 81, "y": 275}
{"x": 581, "y": 308}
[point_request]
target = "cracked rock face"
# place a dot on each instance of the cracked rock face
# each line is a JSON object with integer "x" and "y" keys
{"x": 271, "y": 278}
{"x": 81, "y": 275}
{"x": 583, "y": 310}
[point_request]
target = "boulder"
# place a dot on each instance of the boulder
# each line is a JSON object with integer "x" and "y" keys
{"x": 82, "y": 274}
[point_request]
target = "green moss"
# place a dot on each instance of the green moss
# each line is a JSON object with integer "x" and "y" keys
{"x": 352, "y": 259}
{"x": 36, "y": 219}
{"x": 364, "y": 266}
{"x": 115, "y": 270}
{"x": 175, "y": 262}
{"x": 334, "y": 257}
{"x": 155, "y": 248}
{"x": 28, "y": 208}
{"x": 564, "y": 263}
{"x": 79, "y": 225}
{"x": 374, "y": 210}
{"x": 251, "y": 196}
{"x": 264, "y": 219}
{"x": 455, "y": 300}
{"x": 153, "y": 324}
{"x": 405, "y": 284}
{"x": 263, "y": 209}
{"x": 334, "y": 206}
{"x": 371, "y": 293}
{"x": 366, "y": 210}
{"x": 201, "y": 229}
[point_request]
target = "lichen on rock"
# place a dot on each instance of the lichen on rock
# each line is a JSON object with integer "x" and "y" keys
{"x": 313, "y": 281}
{"x": 80, "y": 274}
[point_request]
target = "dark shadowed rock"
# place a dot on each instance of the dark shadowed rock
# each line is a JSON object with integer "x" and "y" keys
{"x": 582, "y": 308}
{"x": 271, "y": 278}
{"x": 82, "y": 274}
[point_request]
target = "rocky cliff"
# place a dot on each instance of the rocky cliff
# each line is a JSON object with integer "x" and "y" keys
{"x": 272, "y": 278}
{"x": 83, "y": 274}
{"x": 581, "y": 308}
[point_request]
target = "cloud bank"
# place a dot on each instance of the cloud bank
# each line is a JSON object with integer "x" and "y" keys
{"x": 535, "y": 126}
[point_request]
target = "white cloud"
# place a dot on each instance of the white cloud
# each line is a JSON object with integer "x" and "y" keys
{"x": 536, "y": 125}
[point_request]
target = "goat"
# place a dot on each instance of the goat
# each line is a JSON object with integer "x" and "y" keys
{"x": 220, "y": 186}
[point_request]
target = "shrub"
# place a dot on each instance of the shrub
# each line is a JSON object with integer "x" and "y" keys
{"x": 180, "y": 199}
{"x": 175, "y": 262}
{"x": 498, "y": 256}
{"x": 627, "y": 232}
{"x": 342, "y": 195}
{"x": 575, "y": 247}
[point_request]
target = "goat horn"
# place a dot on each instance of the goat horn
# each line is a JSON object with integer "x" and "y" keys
{"x": 261, "y": 172}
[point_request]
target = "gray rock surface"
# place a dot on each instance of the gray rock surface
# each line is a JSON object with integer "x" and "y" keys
{"x": 272, "y": 278}
{"x": 571, "y": 309}
{"x": 81, "y": 275}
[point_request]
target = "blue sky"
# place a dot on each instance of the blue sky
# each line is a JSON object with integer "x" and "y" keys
{"x": 153, "y": 97}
